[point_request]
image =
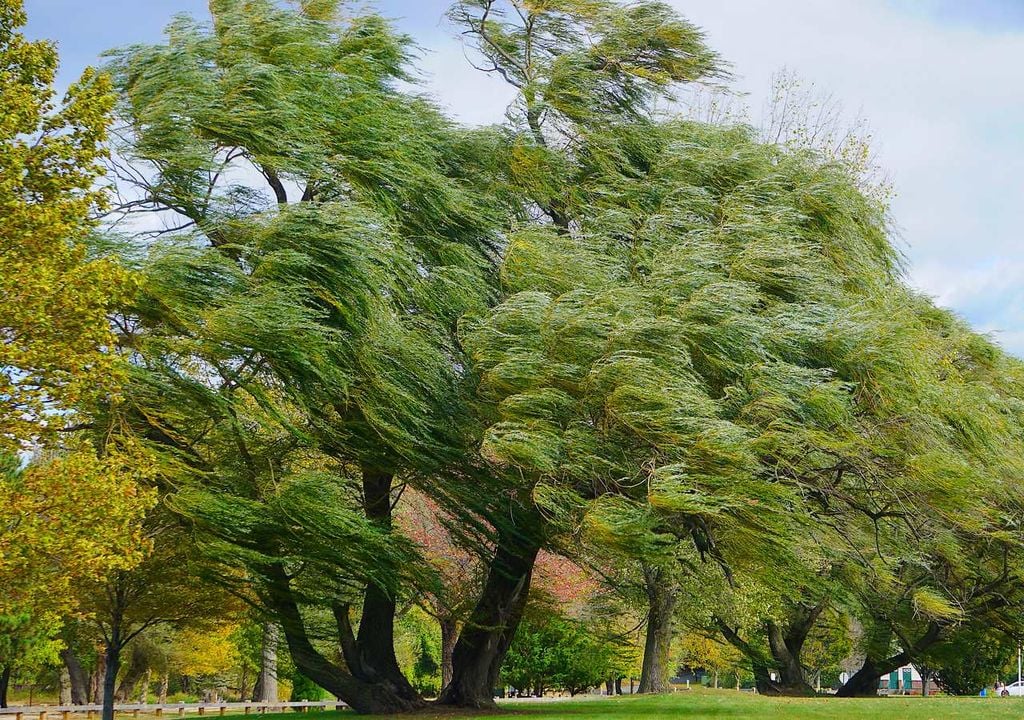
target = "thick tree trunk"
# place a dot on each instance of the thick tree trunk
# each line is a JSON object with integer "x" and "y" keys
{"x": 618, "y": 686}
{"x": 77, "y": 677}
{"x": 266, "y": 682}
{"x": 864, "y": 682}
{"x": 112, "y": 664}
{"x": 661, "y": 598}
{"x": 375, "y": 641}
{"x": 449, "y": 636}
{"x": 96, "y": 680}
{"x": 5, "y": 682}
{"x": 164, "y": 682}
{"x": 363, "y": 697}
{"x": 785, "y": 644}
{"x": 486, "y": 636}
{"x": 785, "y": 648}
{"x": 65, "y": 686}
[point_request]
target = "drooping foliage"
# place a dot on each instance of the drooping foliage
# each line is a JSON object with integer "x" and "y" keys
{"x": 294, "y": 336}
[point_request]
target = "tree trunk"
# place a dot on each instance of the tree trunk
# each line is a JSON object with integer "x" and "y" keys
{"x": 65, "y": 686}
{"x": 144, "y": 694}
{"x": 785, "y": 644}
{"x": 266, "y": 682}
{"x": 661, "y": 596}
{"x": 785, "y": 649}
{"x": 112, "y": 658}
{"x": 363, "y": 697}
{"x": 375, "y": 641}
{"x": 5, "y": 682}
{"x": 864, "y": 682}
{"x": 164, "y": 682}
{"x": 449, "y": 636}
{"x": 618, "y": 686}
{"x": 96, "y": 680}
{"x": 77, "y": 677}
{"x": 486, "y": 636}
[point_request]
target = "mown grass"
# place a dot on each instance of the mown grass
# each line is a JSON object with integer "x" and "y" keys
{"x": 730, "y": 705}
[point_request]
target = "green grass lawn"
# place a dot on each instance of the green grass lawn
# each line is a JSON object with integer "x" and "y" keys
{"x": 698, "y": 704}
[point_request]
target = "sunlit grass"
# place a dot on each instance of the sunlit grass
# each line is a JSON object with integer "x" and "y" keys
{"x": 735, "y": 706}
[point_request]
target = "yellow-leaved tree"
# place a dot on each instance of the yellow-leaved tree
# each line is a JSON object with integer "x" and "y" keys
{"x": 72, "y": 512}
{"x": 54, "y": 334}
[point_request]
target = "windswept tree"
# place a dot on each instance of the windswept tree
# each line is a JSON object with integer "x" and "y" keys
{"x": 577, "y": 67}
{"x": 293, "y": 343}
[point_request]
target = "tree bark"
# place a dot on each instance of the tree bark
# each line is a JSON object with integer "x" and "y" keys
{"x": 96, "y": 680}
{"x": 363, "y": 697}
{"x": 144, "y": 693}
{"x": 65, "y": 686}
{"x": 77, "y": 677}
{"x": 786, "y": 643}
{"x": 112, "y": 657}
{"x": 486, "y": 636}
{"x": 661, "y": 597}
{"x": 375, "y": 640}
{"x": 864, "y": 682}
{"x": 5, "y": 683}
{"x": 449, "y": 636}
{"x": 164, "y": 682}
{"x": 266, "y": 682}
{"x": 785, "y": 651}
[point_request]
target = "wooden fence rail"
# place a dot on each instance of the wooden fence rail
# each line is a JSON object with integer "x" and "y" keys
{"x": 49, "y": 712}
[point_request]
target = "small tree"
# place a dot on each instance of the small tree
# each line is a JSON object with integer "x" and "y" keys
{"x": 555, "y": 652}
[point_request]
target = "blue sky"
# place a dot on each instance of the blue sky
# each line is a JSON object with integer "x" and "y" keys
{"x": 939, "y": 82}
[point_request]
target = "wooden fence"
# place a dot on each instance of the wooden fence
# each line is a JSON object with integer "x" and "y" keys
{"x": 49, "y": 712}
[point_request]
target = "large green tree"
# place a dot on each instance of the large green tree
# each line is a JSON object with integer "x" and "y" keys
{"x": 294, "y": 338}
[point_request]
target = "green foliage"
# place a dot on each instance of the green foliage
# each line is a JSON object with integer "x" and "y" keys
{"x": 418, "y": 648}
{"x": 305, "y": 689}
{"x": 555, "y": 652}
{"x": 971, "y": 659}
